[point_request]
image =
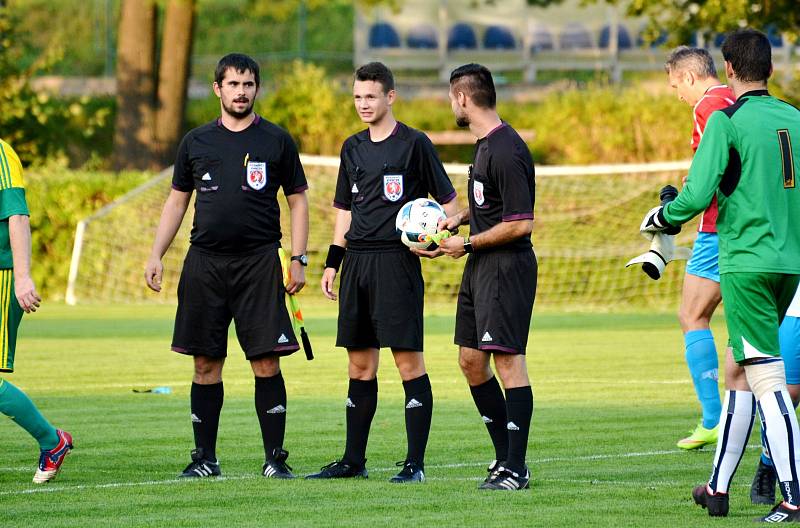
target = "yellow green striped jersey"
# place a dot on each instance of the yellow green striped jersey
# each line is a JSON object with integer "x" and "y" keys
{"x": 12, "y": 199}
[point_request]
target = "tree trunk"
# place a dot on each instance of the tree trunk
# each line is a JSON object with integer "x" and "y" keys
{"x": 173, "y": 77}
{"x": 134, "y": 127}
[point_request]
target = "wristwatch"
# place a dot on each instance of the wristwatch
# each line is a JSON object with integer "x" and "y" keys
{"x": 302, "y": 259}
{"x": 467, "y": 245}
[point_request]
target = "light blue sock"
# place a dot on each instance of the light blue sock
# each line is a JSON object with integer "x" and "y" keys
{"x": 701, "y": 356}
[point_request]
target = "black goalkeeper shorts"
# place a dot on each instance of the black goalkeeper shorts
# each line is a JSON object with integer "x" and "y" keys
{"x": 248, "y": 289}
{"x": 380, "y": 300}
{"x": 495, "y": 302}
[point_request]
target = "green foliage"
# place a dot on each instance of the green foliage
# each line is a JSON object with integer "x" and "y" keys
{"x": 681, "y": 18}
{"x": 42, "y": 129}
{"x": 58, "y": 199}
{"x": 604, "y": 124}
{"x": 312, "y": 107}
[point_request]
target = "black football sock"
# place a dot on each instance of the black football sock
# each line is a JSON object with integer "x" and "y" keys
{"x": 489, "y": 400}
{"x": 270, "y": 395}
{"x": 419, "y": 409}
{"x": 519, "y": 405}
{"x": 206, "y": 404}
{"x": 361, "y": 403}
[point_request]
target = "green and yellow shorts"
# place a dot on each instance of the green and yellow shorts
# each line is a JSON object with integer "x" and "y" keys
{"x": 755, "y": 304}
{"x": 10, "y": 317}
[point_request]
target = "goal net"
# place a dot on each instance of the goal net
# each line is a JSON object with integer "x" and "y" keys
{"x": 585, "y": 230}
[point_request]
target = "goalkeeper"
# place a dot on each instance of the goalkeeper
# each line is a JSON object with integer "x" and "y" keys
{"x": 746, "y": 159}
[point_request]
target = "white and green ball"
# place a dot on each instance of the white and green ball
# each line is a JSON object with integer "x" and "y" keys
{"x": 417, "y": 220}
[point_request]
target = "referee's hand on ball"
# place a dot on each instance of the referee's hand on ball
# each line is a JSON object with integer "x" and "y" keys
{"x": 453, "y": 247}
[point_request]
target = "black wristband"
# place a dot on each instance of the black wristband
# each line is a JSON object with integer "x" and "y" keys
{"x": 335, "y": 257}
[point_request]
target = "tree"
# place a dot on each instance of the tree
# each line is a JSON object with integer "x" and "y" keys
{"x": 150, "y": 106}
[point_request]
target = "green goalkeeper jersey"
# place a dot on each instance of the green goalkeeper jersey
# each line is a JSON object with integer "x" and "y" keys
{"x": 747, "y": 158}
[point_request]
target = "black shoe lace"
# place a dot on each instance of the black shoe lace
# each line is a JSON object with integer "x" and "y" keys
{"x": 408, "y": 467}
{"x": 336, "y": 467}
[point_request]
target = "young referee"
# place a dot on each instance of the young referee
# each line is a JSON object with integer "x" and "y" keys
{"x": 236, "y": 164}
{"x": 381, "y": 297}
{"x": 495, "y": 302}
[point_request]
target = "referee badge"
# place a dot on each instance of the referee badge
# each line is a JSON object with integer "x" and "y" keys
{"x": 256, "y": 175}
{"x": 477, "y": 192}
{"x": 393, "y": 186}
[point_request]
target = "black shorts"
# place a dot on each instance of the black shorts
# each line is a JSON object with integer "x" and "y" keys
{"x": 214, "y": 289}
{"x": 495, "y": 301}
{"x": 380, "y": 300}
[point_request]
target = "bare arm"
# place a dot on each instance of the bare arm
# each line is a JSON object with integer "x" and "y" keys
{"x": 171, "y": 217}
{"x": 497, "y": 235}
{"x": 19, "y": 233}
{"x": 340, "y": 229}
{"x": 298, "y": 209}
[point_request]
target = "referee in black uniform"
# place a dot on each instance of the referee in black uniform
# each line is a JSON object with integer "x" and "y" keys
{"x": 232, "y": 271}
{"x": 495, "y": 301}
{"x": 381, "y": 298}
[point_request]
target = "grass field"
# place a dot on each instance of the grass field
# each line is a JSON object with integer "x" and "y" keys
{"x": 612, "y": 395}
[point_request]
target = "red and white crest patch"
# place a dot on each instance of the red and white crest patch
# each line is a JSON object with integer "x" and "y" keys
{"x": 256, "y": 175}
{"x": 393, "y": 186}
{"x": 477, "y": 192}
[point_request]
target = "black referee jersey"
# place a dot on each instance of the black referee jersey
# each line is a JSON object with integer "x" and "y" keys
{"x": 237, "y": 176}
{"x": 501, "y": 184}
{"x": 377, "y": 178}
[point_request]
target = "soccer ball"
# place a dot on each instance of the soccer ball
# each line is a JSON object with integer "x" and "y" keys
{"x": 417, "y": 220}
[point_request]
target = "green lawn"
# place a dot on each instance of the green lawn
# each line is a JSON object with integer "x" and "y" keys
{"x": 612, "y": 395}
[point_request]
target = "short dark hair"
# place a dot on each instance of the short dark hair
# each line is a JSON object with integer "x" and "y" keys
{"x": 695, "y": 60}
{"x": 378, "y": 72}
{"x": 475, "y": 81}
{"x": 749, "y": 53}
{"x": 239, "y": 62}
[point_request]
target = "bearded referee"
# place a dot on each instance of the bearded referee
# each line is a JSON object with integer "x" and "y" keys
{"x": 495, "y": 302}
{"x": 236, "y": 164}
{"x": 381, "y": 290}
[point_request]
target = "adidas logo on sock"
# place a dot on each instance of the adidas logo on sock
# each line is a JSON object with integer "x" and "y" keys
{"x": 512, "y": 426}
{"x": 196, "y": 419}
{"x": 413, "y": 404}
{"x": 349, "y": 403}
{"x": 486, "y": 419}
{"x": 486, "y": 337}
{"x": 278, "y": 409}
{"x": 354, "y": 189}
{"x": 283, "y": 339}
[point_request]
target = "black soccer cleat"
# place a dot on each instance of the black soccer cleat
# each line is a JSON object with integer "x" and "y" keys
{"x": 201, "y": 466}
{"x": 490, "y": 470}
{"x": 762, "y": 491}
{"x": 503, "y": 478}
{"x": 340, "y": 469}
{"x": 411, "y": 472}
{"x": 276, "y": 466}
{"x": 717, "y": 503}
{"x": 781, "y": 514}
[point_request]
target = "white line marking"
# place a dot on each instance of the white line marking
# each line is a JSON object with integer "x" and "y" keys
{"x": 534, "y": 462}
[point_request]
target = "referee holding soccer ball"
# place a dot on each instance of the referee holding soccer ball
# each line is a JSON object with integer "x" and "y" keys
{"x": 381, "y": 297}
{"x": 495, "y": 301}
